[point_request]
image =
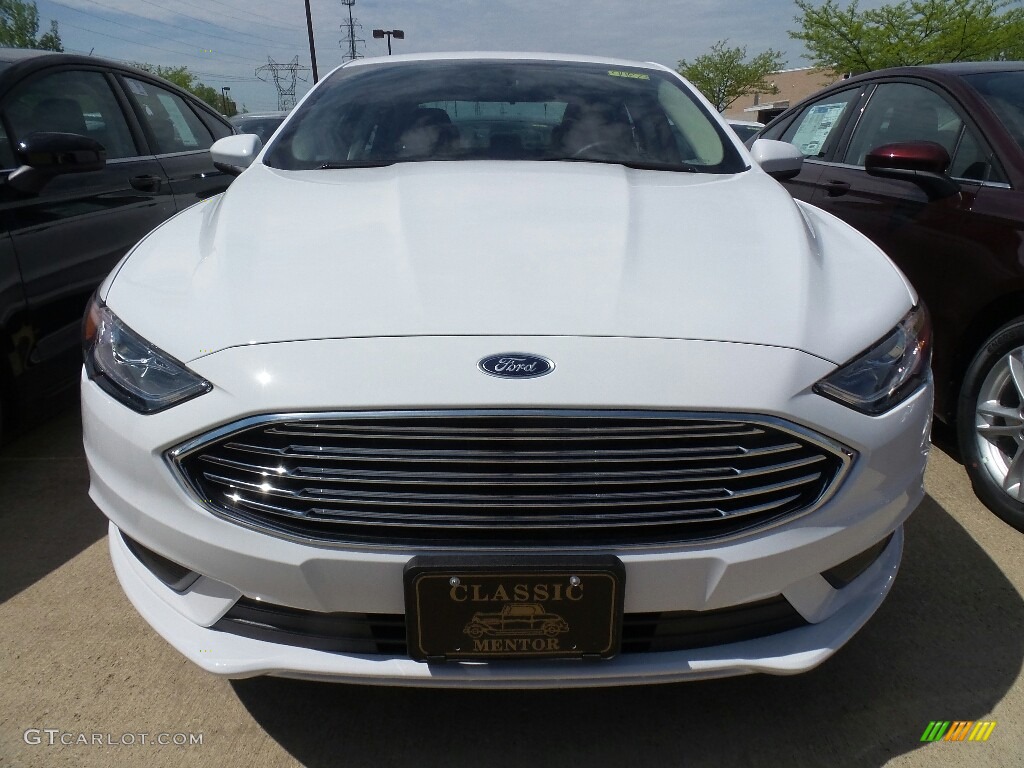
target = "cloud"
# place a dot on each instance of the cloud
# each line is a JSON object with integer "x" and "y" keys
{"x": 227, "y": 39}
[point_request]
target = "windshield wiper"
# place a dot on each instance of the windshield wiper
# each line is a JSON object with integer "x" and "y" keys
{"x": 641, "y": 165}
{"x": 356, "y": 164}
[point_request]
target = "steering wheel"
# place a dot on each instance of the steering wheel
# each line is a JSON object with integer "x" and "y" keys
{"x": 593, "y": 145}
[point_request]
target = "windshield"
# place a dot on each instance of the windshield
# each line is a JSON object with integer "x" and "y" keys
{"x": 1004, "y": 92}
{"x": 500, "y": 110}
{"x": 263, "y": 126}
{"x": 745, "y": 131}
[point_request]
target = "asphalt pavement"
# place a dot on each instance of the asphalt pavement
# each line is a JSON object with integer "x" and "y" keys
{"x": 85, "y": 682}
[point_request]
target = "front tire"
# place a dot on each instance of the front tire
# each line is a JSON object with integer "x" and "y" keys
{"x": 990, "y": 423}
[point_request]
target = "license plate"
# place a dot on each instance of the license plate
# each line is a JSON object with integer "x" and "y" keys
{"x": 513, "y": 608}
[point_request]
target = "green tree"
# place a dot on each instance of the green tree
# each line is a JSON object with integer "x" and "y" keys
{"x": 909, "y": 32}
{"x": 19, "y": 27}
{"x": 183, "y": 78}
{"x": 724, "y": 75}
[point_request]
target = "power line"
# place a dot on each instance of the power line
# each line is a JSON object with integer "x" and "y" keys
{"x": 273, "y": 43}
{"x": 155, "y": 47}
{"x": 135, "y": 29}
{"x": 252, "y": 14}
{"x": 231, "y": 78}
{"x": 275, "y": 22}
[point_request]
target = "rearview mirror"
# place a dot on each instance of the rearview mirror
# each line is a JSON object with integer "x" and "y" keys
{"x": 233, "y": 154}
{"x": 921, "y": 162}
{"x": 45, "y": 155}
{"x": 779, "y": 159}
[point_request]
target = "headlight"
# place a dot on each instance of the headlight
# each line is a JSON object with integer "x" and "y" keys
{"x": 132, "y": 370}
{"x": 887, "y": 373}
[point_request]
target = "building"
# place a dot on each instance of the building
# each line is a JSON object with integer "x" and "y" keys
{"x": 793, "y": 84}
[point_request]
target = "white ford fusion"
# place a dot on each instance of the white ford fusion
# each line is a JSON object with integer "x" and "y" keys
{"x": 512, "y": 371}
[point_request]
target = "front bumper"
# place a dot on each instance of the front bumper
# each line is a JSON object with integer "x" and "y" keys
{"x": 134, "y": 487}
{"x": 232, "y": 656}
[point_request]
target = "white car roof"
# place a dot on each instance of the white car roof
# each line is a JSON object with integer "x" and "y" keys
{"x": 506, "y": 56}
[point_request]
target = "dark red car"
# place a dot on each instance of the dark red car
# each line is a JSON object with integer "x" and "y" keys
{"x": 929, "y": 163}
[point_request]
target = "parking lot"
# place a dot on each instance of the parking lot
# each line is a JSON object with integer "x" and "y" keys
{"x": 82, "y": 670}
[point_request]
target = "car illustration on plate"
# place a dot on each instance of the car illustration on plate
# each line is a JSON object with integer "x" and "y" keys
{"x": 519, "y": 619}
{"x": 285, "y": 408}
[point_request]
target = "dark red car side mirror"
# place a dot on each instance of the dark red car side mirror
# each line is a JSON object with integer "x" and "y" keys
{"x": 921, "y": 162}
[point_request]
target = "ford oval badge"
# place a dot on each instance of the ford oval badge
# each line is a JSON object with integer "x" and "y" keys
{"x": 516, "y": 365}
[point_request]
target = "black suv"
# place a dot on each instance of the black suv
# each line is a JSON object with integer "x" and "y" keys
{"x": 94, "y": 154}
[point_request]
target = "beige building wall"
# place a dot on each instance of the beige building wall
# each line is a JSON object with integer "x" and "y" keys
{"x": 793, "y": 84}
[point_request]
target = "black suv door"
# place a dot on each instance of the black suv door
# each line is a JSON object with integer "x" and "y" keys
{"x": 70, "y": 236}
{"x": 180, "y": 132}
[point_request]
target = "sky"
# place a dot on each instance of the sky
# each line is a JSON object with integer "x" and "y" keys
{"x": 224, "y": 41}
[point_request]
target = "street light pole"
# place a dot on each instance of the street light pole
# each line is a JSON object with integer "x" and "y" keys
{"x": 312, "y": 49}
{"x": 398, "y": 34}
{"x": 224, "y": 97}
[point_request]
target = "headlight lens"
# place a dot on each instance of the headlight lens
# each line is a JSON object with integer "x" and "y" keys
{"x": 887, "y": 373}
{"x": 132, "y": 370}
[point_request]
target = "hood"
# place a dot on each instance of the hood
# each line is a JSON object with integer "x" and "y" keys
{"x": 509, "y": 249}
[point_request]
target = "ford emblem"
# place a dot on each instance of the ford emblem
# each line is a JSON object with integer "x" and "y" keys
{"x": 516, "y": 365}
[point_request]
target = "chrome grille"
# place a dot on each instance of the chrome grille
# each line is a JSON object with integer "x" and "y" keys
{"x": 510, "y": 479}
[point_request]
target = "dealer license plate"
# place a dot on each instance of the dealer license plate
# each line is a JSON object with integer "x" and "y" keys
{"x": 513, "y": 608}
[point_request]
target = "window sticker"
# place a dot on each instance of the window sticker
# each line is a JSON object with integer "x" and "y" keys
{"x": 136, "y": 87}
{"x": 815, "y": 128}
{"x": 629, "y": 75}
{"x": 181, "y": 127}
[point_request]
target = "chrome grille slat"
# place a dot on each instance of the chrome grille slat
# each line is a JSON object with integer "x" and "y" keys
{"x": 374, "y": 430}
{"x": 544, "y": 522}
{"x": 392, "y": 477}
{"x": 524, "y": 457}
{"x": 517, "y": 436}
{"x": 518, "y": 501}
{"x": 510, "y": 478}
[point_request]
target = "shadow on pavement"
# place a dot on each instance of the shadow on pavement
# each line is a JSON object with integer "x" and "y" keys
{"x": 945, "y": 645}
{"x": 46, "y": 517}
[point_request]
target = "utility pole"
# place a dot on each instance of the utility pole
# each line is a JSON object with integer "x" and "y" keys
{"x": 286, "y": 76}
{"x": 312, "y": 48}
{"x": 349, "y": 43}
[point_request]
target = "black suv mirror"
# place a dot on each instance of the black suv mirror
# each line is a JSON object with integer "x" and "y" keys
{"x": 921, "y": 162}
{"x": 45, "y": 155}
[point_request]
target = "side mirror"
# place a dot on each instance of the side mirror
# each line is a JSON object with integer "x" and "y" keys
{"x": 779, "y": 159}
{"x": 233, "y": 154}
{"x": 921, "y": 162}
{"x": 45, "y": 155}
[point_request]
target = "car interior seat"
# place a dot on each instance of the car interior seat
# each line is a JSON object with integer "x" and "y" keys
{"x": 596, "y": 127}
{"x": 913, "y": 122}
{"x": 62, "y": 115}
{"x": 429, "y": 131}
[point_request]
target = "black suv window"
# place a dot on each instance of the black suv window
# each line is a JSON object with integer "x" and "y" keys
{"x": 6, "y": 153}
{"x": 814, "y": 130}
{"x": 172, "y": 122}
{"x": 70, "y": 101}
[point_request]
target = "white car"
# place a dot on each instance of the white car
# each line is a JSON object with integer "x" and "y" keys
{"x": 482, "y": 330}
{"x": 745, "y": 129}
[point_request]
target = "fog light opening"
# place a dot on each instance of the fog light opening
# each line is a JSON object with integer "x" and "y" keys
{"x": 844, "y": 573}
